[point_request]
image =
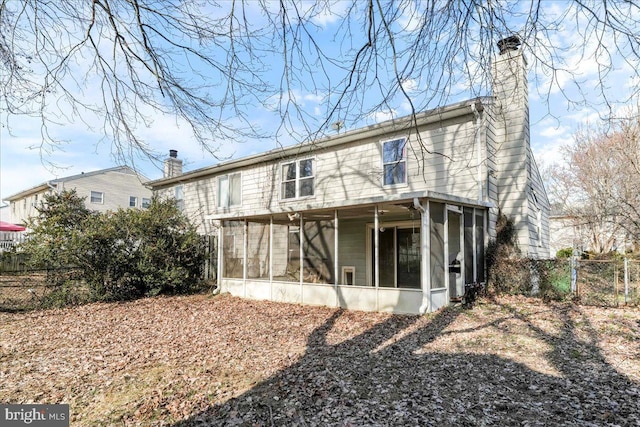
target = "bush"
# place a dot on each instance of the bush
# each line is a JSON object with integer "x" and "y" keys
{"x": 564, "y": 253}
{"x": 122, "y": 255}
{"x": 509, "y": 273}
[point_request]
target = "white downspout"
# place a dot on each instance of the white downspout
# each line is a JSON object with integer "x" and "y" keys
{"x": 425, "y": 258}
{"x": 336, "y": 257}
{"x": 476, "y": 113}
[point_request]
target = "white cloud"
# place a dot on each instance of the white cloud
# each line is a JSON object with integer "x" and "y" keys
{"x": 410, "y": 85}
{"x": 381, "y": 116}
{"x": 330, "y": 13}
{"x": 551, "y": 132}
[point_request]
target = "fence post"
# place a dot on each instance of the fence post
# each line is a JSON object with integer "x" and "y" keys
{"x": 616, "y": 276}
{"x": 626, "y": 280}
{"x": 574, "y": 273}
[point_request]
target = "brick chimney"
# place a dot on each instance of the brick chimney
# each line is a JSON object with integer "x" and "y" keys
{"x": 172, "y": 165}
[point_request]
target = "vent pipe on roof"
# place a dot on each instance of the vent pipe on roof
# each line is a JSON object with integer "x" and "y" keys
{"x": 172, "y": 165}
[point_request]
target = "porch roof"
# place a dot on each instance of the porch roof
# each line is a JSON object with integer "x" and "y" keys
{"x": 396, "y": 203}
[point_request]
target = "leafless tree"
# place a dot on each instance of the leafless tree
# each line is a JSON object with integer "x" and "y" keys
{"x": 210, "y": 64}
{"x": 598, "y": 185}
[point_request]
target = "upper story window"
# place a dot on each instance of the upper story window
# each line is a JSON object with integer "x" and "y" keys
{"x": 394, "y": 161}
{"x": 133, "y": 201}
{"x": 298, "y": 179}
{"x": 230, "y": 190}
{"x": 179, "y": 196}
{"x": 146, "y": 202}
{"x": 97, "y": 197}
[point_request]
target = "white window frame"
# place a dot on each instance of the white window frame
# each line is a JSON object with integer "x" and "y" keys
{"x": 145, "y": 202}
{"x": 404, "y": 160}
{"x": 133, "y": 199}
{"x": 96, "y": 193}
{"x": 178, "y": 192}
{"x": 227, "y": 203}
{"x": 297, "y": 178}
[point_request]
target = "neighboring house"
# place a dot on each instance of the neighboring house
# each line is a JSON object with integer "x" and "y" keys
{"x": 586, "y": 234}
{"x": 106, "y": 189}
{"x": 368, "y": 219}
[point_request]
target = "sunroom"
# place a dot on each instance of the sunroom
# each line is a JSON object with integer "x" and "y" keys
{"x": 365, "y": 257}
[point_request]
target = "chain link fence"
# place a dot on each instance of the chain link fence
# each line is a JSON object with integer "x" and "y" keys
{"x": 609, "y": 283}
{"x": 36, "y": 289}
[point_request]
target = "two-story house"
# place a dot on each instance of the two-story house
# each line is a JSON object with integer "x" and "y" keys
{"x": 104, "y": 190}
{"x": 391, "y": 217}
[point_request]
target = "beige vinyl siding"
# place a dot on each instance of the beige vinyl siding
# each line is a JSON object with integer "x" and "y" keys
{"x": 354, "y": 171}
{"x": 537, "y": 202}
{"x": 199, "y": 198}
{"x": 22, "y": 209}
{"x": 116, "y": 187}
{"x": 511, "y": 142}
{"x": 352, "y": 236}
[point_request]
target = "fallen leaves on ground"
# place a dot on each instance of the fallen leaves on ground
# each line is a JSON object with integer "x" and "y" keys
{"x": 202, "y": 360}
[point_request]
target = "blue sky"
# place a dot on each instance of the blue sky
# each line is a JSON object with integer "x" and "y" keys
{"x": 23, "y": 162}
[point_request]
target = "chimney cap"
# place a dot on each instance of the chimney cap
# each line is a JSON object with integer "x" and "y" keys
{"x": 509, "y": 43}
{"x": 173, "y": 153}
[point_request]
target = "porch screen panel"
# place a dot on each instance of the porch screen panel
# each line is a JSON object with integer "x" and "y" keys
{"x": 408, "y": 258}
{"x": 318, "y": 248}
{"x": 293, "y": 254}
{"x": 233, "y": 249}
{"x": 437, "y": 215}
{"x": 386, "y": 254}
{"x": 480, "y": 245}
{"x": 468, "y": 246}
{"x": 258, "y": 251}
{"x": 281, "y": 252}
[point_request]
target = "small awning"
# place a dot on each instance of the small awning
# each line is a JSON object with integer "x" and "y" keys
{"x": 7, "y": 226}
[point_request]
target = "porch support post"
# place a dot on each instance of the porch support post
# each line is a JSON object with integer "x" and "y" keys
{"x": 376, "y": 254}
{"x": 271, "y": 258}
{"x": 425, "y": 255}
{"x": 220, "y": 257}
{"x": 336, "y": 266}
{"x": 376, "y": 245}
{"x": 245, "y": 257}
{"x": 301, "y": 257}
{"x": 475, "y": 247}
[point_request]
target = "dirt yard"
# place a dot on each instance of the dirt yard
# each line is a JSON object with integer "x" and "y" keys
{"x": 201, "y": 360}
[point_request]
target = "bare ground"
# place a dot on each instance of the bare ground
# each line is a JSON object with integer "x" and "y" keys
{"x": 202, "y": 360}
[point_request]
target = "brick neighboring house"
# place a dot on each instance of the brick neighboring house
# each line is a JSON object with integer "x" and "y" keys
{"x": 366, "y": 219}
{"x": 105, "y": 189}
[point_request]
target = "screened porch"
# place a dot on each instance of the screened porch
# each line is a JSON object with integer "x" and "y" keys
{"x": 367, "y": 257}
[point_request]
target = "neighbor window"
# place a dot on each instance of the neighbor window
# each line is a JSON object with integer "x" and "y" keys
{"x": 297, "y": 179}
{"x": 146, "y": 202}
{"x": 97, "y": 197}
{"x": 394, "y": 161}
{"x": 229, "y": 190}
{"x": 179, "y": 196}
{"x": 133, "y": 201}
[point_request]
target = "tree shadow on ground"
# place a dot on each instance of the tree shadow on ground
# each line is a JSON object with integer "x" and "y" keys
{"x": 384, "y": 377}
